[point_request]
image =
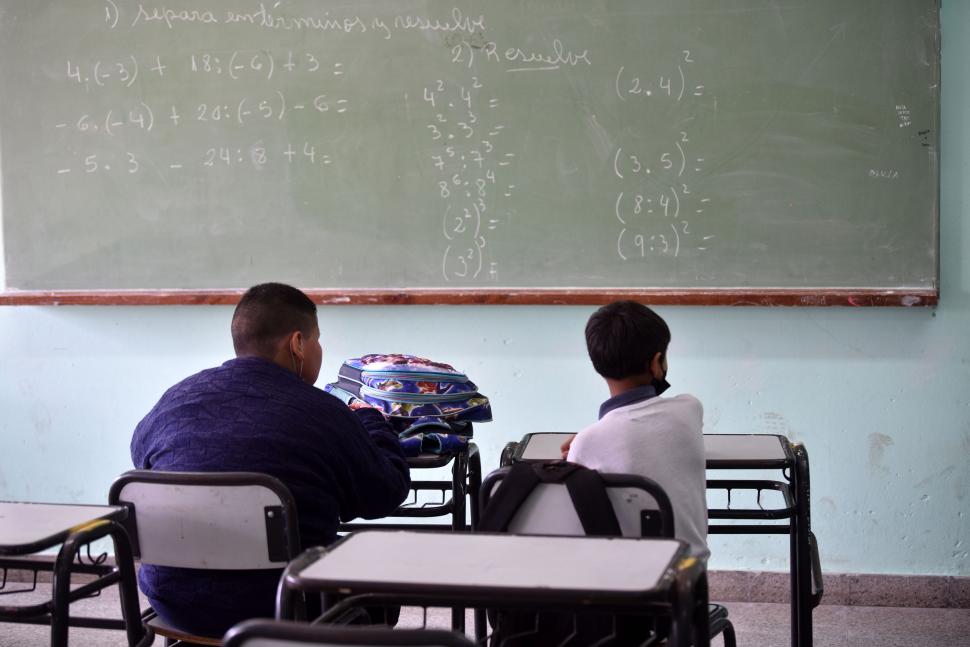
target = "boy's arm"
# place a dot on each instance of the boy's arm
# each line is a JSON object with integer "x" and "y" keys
{"x": 379, "y": 474}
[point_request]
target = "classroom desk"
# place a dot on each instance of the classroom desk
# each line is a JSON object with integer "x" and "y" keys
{"x": 466, "y": 481}
{"x": 28, "y": 528}
{"x": 742, "y": 452}
{"x": 721, "y": 451}
{"x": 652, "y": 576}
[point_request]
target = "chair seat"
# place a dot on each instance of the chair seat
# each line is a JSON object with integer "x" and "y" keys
{"x": 161, "y": 628}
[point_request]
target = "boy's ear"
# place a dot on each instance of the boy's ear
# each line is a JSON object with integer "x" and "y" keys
{"x": 295, "y": 343}
{"x": 657, "y": 366}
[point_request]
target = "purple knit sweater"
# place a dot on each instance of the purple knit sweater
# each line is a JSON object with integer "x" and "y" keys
{"x": 252, "y": 415}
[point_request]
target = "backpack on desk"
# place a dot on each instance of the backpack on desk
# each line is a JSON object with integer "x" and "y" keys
{"x": 417, "y": 395}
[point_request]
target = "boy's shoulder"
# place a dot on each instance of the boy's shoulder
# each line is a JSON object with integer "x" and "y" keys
{"x": 680, "y": 411}
{"x": 681, "y": 402}
{"x": 678, "y": 419}
{"x": 685, "y": 400}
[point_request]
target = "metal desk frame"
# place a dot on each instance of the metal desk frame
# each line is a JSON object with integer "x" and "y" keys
{"x": 805, "y": 568}
{"x": 55, "y": 611}
{"x": 466, "y": 481}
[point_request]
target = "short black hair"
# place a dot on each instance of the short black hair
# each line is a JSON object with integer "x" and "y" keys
{"x": 267, "y": 313}
{"x": 622, "y": 338}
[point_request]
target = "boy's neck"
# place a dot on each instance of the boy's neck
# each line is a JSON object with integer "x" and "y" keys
{"x": 618, "y": 387}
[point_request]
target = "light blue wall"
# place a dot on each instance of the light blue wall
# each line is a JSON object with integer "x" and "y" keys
{"x": 881, "y": 397}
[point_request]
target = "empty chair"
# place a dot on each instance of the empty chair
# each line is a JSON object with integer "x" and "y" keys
{"x": 217, "y": 521}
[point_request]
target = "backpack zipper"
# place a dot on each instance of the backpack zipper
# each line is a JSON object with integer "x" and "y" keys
{"x": 416, "y": 376}
{"x": 415, "y": 398}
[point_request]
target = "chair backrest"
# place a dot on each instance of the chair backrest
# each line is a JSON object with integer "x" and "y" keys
{"x": 641, "y": 506}
{"x": 224, "y": 520}
{"x": 266, "y": 633}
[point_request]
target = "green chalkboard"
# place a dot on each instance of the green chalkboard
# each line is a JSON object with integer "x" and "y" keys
{"x": 470, "y": 145}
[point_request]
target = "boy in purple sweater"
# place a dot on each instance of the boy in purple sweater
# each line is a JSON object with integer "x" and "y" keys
{"x": 260, "y": 412}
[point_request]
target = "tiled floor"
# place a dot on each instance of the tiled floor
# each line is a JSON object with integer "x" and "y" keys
{"x": 757, "y": 625}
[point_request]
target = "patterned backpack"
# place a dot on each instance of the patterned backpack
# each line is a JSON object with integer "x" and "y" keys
{"x": 416, "y": 394}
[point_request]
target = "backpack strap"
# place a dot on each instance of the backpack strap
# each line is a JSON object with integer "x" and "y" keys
{"x": 592, "y": 503}
{"x": 585, "y": 487}
{"x": 515, "y": 489}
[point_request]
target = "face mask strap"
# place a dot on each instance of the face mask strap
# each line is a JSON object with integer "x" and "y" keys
{"x": 661, "y": 384}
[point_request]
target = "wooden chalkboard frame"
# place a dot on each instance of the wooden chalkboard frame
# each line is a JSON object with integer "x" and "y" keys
{"x": 920, "y": 292}
{"x": 686, "y": 297}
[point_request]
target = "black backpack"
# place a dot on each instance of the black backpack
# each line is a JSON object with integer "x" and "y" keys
{"x": 585, "y": 487}
{"x": 514, "y": 628}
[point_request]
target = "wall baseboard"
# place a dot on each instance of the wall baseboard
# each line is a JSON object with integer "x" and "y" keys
{"x": 847, "y": 589}
{"x": 841, "y": 589}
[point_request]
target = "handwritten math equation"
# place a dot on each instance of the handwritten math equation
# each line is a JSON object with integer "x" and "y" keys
{"x": 137, "y": 118}
{"x": 236, "y": 65}
{"x": 472, "y": 171}
{"x": 117, "y": 121}
{"x": 657, "y": 210}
